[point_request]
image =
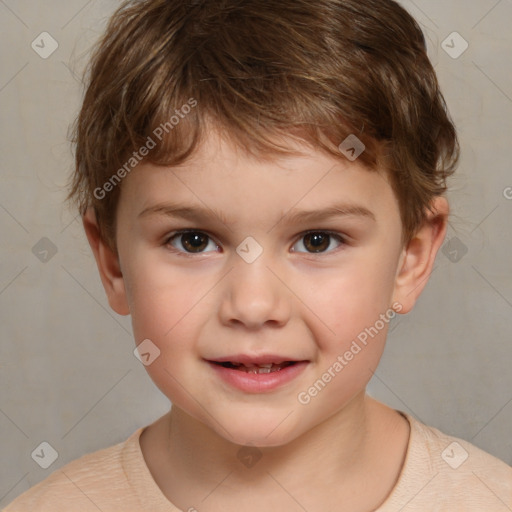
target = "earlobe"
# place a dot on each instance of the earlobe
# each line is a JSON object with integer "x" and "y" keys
{"x": 108, "y": 265}
{"x": 417, "y": 259}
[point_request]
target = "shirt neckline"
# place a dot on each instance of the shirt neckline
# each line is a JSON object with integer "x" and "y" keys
{"x": 149, "y": 494}
{"x": 415, "y": 463}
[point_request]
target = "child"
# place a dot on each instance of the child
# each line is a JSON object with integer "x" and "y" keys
{"x": 262, "y": 185}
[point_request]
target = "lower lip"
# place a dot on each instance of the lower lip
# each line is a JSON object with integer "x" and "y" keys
{"x": 259, "y": 382}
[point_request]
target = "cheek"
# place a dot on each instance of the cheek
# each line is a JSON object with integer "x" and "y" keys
{"x": 170, "y": 308}
{"x": 167, "y": 312}
{"x": 151, "y": 302}
{"x": 354, "y": 314}
{"x": 161, "y": 297}
{"x": 350, "y": 301}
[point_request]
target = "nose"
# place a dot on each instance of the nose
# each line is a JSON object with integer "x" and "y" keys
{"x": 254, "y": 295}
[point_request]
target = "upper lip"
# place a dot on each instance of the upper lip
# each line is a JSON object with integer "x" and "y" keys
{"x": 246, "y": 359}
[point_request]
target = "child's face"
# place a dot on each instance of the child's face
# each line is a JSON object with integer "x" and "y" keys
{"x": 198, "y": 300}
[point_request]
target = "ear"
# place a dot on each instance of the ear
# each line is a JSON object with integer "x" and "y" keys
{"x": 417, "y": 259}
{"x": 108, "y": 265}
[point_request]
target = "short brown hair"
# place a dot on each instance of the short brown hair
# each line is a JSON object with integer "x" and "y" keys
{"x": 316, "y": 70}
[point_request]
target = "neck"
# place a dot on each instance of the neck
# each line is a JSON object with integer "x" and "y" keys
{"x": 364, "y": 442}
{"x": 339, "y": 441}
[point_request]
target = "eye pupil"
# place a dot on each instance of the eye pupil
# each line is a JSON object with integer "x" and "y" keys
{"x": 194, "y": 241}
{"x": 318, "y": 241}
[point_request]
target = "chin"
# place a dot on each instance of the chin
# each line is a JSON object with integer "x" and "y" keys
{"x": 263, "y": 431}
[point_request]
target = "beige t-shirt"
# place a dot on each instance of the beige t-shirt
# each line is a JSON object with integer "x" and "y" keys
{"x": 440, "y": 474}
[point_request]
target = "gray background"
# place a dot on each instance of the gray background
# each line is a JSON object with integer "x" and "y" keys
{"x": 67, "y": 369}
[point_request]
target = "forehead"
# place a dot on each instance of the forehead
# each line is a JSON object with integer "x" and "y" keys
{"x": 232, "y": 184}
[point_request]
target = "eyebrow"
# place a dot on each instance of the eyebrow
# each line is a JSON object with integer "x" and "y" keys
{"x": 340, "y": 210}
{"x": 199, "y": 213}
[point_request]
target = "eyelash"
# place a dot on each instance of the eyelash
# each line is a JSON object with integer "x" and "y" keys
{"x": 178, "y": 233}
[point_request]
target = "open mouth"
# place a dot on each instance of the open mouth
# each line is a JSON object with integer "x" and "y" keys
{"x": 255, "y": 368}
{"x": 263, "y": 373}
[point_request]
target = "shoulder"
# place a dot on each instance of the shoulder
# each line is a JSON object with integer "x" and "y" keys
{"x": 458, "y": 459}
{"x": 88, "y": 483}
{"x": 445, "y": 473}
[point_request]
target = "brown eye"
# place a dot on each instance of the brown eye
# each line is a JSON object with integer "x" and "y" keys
{"x": 319, "y": 241}
{"x": 194, "y": 241}
{"x": 191, "y": 241}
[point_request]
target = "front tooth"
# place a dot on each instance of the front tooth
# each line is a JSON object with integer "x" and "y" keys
{"x": 264, "y": 369}
{"x": 269, "y": 365}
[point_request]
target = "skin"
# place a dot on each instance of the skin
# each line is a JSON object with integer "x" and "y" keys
{"x": 342, "y": 447}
